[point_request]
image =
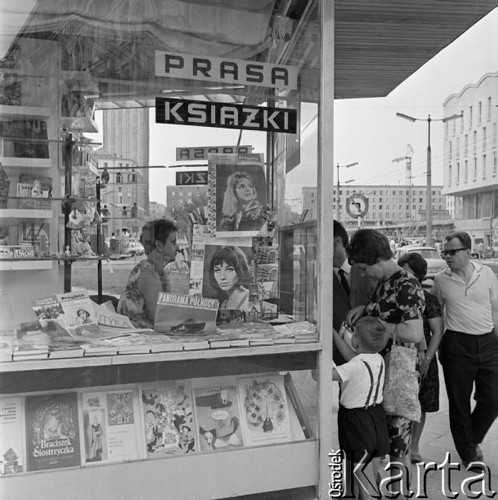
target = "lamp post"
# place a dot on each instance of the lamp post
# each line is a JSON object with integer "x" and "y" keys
{"x": 338, "y": 215}
{"x": 428, "y": 237}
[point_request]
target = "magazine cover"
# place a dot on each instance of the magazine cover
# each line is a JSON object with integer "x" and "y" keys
{"x": 34, "y": 235}
{"x": 79, "y": 314}
{"x": 17, "y": 135}
{"x": 36, "y": 187}
{"x": 218, "y": 418}
{"x": 12, "y": 458}
{"x": 185, "y": 314}
{"x": 52, "y": 432}
{"x": 168, "y": 418}
{"x": 238, "y": 184}
{"x": 229, "y": 276}
{"x": 110, "y": 425}
{"x": 264, "y": 410}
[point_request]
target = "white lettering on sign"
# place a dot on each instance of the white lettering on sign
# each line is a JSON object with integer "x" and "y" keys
{"x": 201, "y": 153}
{"x": 218, "y": 69}
{"x": 213, "y": 114}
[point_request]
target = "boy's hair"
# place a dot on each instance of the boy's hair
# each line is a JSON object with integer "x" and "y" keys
{"x": 371, "y": 333}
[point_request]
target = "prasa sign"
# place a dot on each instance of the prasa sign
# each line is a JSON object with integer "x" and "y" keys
{"x": 201, "y": 153}
{"x": 233, "y": 71}
{"x": 216, "y": 114}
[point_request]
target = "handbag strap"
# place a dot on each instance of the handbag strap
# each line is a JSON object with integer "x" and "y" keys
{"x": 372, "y": 383}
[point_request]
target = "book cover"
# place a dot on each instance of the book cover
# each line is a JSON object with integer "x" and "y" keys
{"x": 34, "y": 237}
{"x": 12, "y": 459}
{"x": 52, "y": 432}
{"x": 185, "y": 314}
{"x": 168, "y": 418}
{"x": 18, "y": 135}
{"x": 264, "y": 410}
{"x": 110, "y": 425}
{"x": 218, "y": 418}
{"x": 36, "y": 187}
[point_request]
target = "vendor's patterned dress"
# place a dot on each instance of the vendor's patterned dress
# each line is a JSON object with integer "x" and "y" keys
{"x": 132, "y": 303}
{"x": 397, "y": 299}
{"x": 429, "y": 387}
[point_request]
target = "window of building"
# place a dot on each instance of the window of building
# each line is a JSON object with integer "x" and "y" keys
{"x": 495, "y": 134}
{"x": 495, "y": 163}
{"x": 450, "y": 150}
{"x": 489, "y": 108}
{"x": 461, "y": 121}
{"x": 449, "y": 175}
{"x": 120, "y": 194}
{"x": 479, "y": 113}
{"x": 483, "y": 137}
{"x": 475, "y": 140}
{"x": 466, "y": 145}
{"x": 470, "y": 116}
{"x": 475, "y": 168}
{"x": 483, "y": 166}
{"x": 457, "y": 152}
{"x": 466, "y": 171}
{"x": 458, "y": 173}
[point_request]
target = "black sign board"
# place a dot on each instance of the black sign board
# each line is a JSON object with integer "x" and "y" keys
{"x": 225, "y": 115}
{"x": 194, "y": 178}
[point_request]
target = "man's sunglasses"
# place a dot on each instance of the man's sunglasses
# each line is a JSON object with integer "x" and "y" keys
{"x": 444, "y": 253}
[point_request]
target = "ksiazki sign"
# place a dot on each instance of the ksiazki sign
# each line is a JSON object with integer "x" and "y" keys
{"x": 220, "y": 69}
{"x": 193, "y": 178}
{"x": 201, "y": 153}
{"x": 223, "y": 115}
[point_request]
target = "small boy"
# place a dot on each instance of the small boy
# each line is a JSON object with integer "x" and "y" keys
{"x": 363, "y": 435}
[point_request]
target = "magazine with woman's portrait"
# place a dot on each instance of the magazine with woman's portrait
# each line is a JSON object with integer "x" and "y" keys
{"x": 229, "y": 276}
{"x": 240, "y": 192}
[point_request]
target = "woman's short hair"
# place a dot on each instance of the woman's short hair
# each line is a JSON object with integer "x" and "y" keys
{"x": 153, "y": 230}
{"x": 230, "y": 201}
{"x": 416, "y": 262}
{"x": 463, "y": 237}
{"x": 368, "y": 246}
{"x": 232, "y": 256}
{"x": 372, "y": 333}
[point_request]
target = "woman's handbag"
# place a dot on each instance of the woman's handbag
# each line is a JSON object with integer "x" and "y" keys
{"x": 401, "y": 382}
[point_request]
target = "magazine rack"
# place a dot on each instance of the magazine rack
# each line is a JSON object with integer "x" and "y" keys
{"x": 222, "y": 474}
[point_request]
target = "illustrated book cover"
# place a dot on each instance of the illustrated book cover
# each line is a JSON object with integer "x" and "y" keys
{"x": 38, "y": 188}
{"x": 264, "y": 410}
{"x": 52, "y": 432}
{"x": 218, "y": 418}
{"x": 168, "y": 418}
{"x": 12, "y": 458}
{"x": 110, "y": 425}
{"x": 185, "y": 314}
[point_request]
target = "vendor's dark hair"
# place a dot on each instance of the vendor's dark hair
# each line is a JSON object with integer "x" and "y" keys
{"x": 416, "y": 262}
{"x": 153, "y": 230}
{"x": 368, "y": 246}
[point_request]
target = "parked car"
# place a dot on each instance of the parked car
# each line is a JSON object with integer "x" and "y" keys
{"x": 492, "y": 264}
{"x": 135, "y": 247}
{"x": 434, "y": 261}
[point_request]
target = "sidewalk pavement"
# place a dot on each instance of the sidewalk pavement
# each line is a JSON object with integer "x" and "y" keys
{"x": 435, "y": 442}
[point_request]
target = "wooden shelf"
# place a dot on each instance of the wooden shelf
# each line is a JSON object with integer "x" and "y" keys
{"x": 25, "y": 265}
{"x": 24, "y": 111}
{"x": 11, "y": 161}
{"x": 26, "y": 213}
{"x": 127, "y": 359}
{"x": 222, "y": 474}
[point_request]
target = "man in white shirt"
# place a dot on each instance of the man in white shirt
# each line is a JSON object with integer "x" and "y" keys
{"x": 468, "y": 353}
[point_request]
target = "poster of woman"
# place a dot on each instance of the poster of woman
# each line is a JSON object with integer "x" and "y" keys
{"x": 241, "y": 208}
{"x": 228, "y": 276}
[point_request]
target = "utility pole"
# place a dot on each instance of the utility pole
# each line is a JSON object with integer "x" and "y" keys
{"x": 338, "y": 196}
{"x": 408, "y": 160}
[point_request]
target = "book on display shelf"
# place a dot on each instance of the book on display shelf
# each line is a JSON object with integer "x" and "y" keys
{"x": 12, "y": 444}
{"x": 264, "y": 410}
{"x": 52, "y": 431}
{"x": 218, "y": 418}
{"x": 169, "y": 422}
{"x": 110, "y": 425}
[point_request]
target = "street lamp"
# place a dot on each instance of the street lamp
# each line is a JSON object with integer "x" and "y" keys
{"x": 338, "y": 215}
{"x": 428, "y": 237}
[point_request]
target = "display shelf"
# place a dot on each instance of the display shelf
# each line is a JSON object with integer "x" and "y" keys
{"x": 223, "y": 474}
{"x": 24, "y": 111}
{"x": 127, "y": 359}
{"x": 12, "y": 161}
{"x": 26, "y": 213}
{"x": 25, "y": 264}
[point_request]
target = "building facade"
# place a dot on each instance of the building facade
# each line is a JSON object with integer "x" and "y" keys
{"x": 471, "y": 158}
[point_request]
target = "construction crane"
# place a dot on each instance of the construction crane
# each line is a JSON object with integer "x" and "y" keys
{"x": 408, "y": 161}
